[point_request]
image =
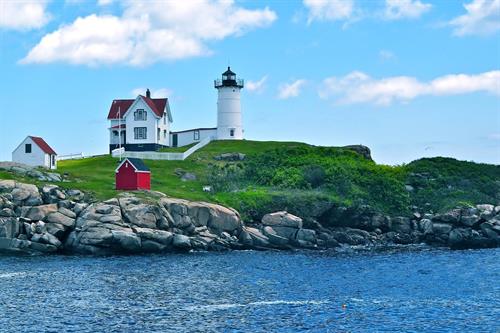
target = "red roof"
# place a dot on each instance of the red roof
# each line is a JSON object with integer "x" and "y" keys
{"x": 43, "y": 145}
{"x": 156, "y": 104}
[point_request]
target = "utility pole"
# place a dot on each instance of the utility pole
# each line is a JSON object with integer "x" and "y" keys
{"x": 119, "y": 133}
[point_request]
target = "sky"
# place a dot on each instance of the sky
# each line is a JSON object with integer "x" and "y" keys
{"x": 407, "y": 78}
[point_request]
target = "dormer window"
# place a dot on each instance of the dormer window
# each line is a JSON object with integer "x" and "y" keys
{"x": 140, "y": 114}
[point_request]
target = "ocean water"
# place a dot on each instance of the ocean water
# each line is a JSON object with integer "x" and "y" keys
{"x": 404, "y": 290}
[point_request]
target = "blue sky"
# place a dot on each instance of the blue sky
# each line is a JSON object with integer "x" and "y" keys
{"x": 407, "y": 78}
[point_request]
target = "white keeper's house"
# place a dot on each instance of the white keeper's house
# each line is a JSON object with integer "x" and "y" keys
{"x": 35, "y": 151}
{"x": 144, "y": 123}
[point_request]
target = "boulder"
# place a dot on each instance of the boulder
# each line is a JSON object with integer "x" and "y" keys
{"x": 181, "y": 242}
{"x": 453, "y": 216}
{"x": 258, "y": 238}
{"x": 188, "y": 177}
{"x": 470, "y": 220}
{"x": 7, "y": 185}
{"x": 44, "y": 248}
{"x": 126, "y": 241}
{"x": 59, "y": 218}
{"x": 306, "y": 235}
{"x": 401, "y": 224}
{"x": 441, "y": 228}
{"x": 142, "y": 215}
{"x": 425, "y": 226}
{"x": 224, "y": 219}
{"x": 9, "y": 227}
{"x": 351, "y": 236}
{"x": 274, "y": 238}
{"x": 56, "y": 229}
{"x": 67, "y": 212}
{"x": 40, "y": 212}
{"x": 490, "y": 230}
{"x": 149, "y": 246}
{"x": 158, "y": 236}
{"x": 230, "y": 157}
{"x": 282, "y": 219}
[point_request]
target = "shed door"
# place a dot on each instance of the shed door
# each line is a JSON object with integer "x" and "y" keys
{"x": 174, "y": 140}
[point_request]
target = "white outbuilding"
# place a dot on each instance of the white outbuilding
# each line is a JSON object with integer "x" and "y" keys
{"x": 35, "y": 151}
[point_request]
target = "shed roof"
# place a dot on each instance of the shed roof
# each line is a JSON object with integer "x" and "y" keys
{"x": 137, "y": 163}
{"x": 43, "y": 145}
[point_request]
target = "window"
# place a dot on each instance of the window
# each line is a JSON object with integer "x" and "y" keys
{"x": 53, "y": 160}
{"x": 164, "y": 134}
{"x": 27, "y": 148}
{"x": 165, "y": 119}
{"x": 140, "y": 133}
{"x": 115, "y": 133}
{"x": 158, "y": 134}
{"x": 140, "y": 114}
{"x": 231, "y": 132}
{"x": 196, "y": 134}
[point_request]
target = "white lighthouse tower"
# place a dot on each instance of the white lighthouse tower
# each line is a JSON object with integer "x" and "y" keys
{"x": 229, "y": 125}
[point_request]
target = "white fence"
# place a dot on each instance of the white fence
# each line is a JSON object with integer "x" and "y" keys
{"x": 70, "y": 157}
{"x": 152, "y": 155}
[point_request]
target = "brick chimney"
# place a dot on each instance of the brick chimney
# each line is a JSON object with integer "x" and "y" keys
{"x": 148, "y": 93}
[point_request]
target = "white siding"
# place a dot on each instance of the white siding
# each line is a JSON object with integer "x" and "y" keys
{"x": 150, "y": 123}
{"x": 185, "y": 138}
{"x": 164, "y": 125}
{"x": 229, "y": 114}
{"x": 37, "y": 157}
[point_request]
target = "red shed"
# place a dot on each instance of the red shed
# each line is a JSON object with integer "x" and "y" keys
{"x": 133, "y": 174}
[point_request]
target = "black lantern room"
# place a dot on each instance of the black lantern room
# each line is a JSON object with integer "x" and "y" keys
{"x": 229, "y": 80}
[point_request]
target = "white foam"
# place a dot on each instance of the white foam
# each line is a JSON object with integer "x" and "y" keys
{"x": 13, "y": 274}
{"x": 258, "y": 303}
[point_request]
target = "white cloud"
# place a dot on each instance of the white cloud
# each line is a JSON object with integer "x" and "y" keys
{"x": 104, "y": 2}
{"x": 155, "y": 93}
{"x": 357, "y": 87}
{"x": 401, "y": 9}
{"x": 289, "y": 90}
{"x": 23, "y": 15}
{"x": 386, "y": 55}
{"x": 482, "y": 18}
{"x": 329, "y": 10}
{"x": 148, "y": 32}
{"x": 256, "y": 86}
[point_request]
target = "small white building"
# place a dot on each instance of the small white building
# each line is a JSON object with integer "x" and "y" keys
{"x": 35, "y": 151}
{"x": 195, "y": 135}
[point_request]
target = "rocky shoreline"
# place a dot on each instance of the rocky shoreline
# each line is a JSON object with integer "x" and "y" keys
{"x": 53, "y": 220}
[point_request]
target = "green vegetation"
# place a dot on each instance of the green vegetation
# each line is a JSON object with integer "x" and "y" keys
{"x": 176, "y": 149}
{"x": 444, "y": 183}
{"x": 299, "y": 178}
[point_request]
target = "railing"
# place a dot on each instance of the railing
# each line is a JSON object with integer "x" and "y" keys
{"x": 70, "y": 157}
{"x": 230, "y": 83}
{"x": 152, "y": 155}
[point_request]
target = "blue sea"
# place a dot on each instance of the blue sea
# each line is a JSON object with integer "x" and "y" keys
{"x": 398, "y": 290}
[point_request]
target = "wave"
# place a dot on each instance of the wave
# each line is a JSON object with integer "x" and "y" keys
{"x": 258, "y": 303}
{"x": 13, "y": 274}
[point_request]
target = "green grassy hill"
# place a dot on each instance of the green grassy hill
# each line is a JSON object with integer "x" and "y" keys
{"x": 300, "y": 178}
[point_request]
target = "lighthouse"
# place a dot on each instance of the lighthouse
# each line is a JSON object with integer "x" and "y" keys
{"x": 229, "y": 124}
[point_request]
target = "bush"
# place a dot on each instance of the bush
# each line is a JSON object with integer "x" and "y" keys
{"x": 315, "y": 175}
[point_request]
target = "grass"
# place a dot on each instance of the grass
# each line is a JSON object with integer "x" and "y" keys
{"x": 96, "y": 174}
{"x": 177, "y": 149}
{"x": 297, "y": 177}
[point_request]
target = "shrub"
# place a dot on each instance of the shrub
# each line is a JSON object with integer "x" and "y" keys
{"x": 315, "y": 175}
